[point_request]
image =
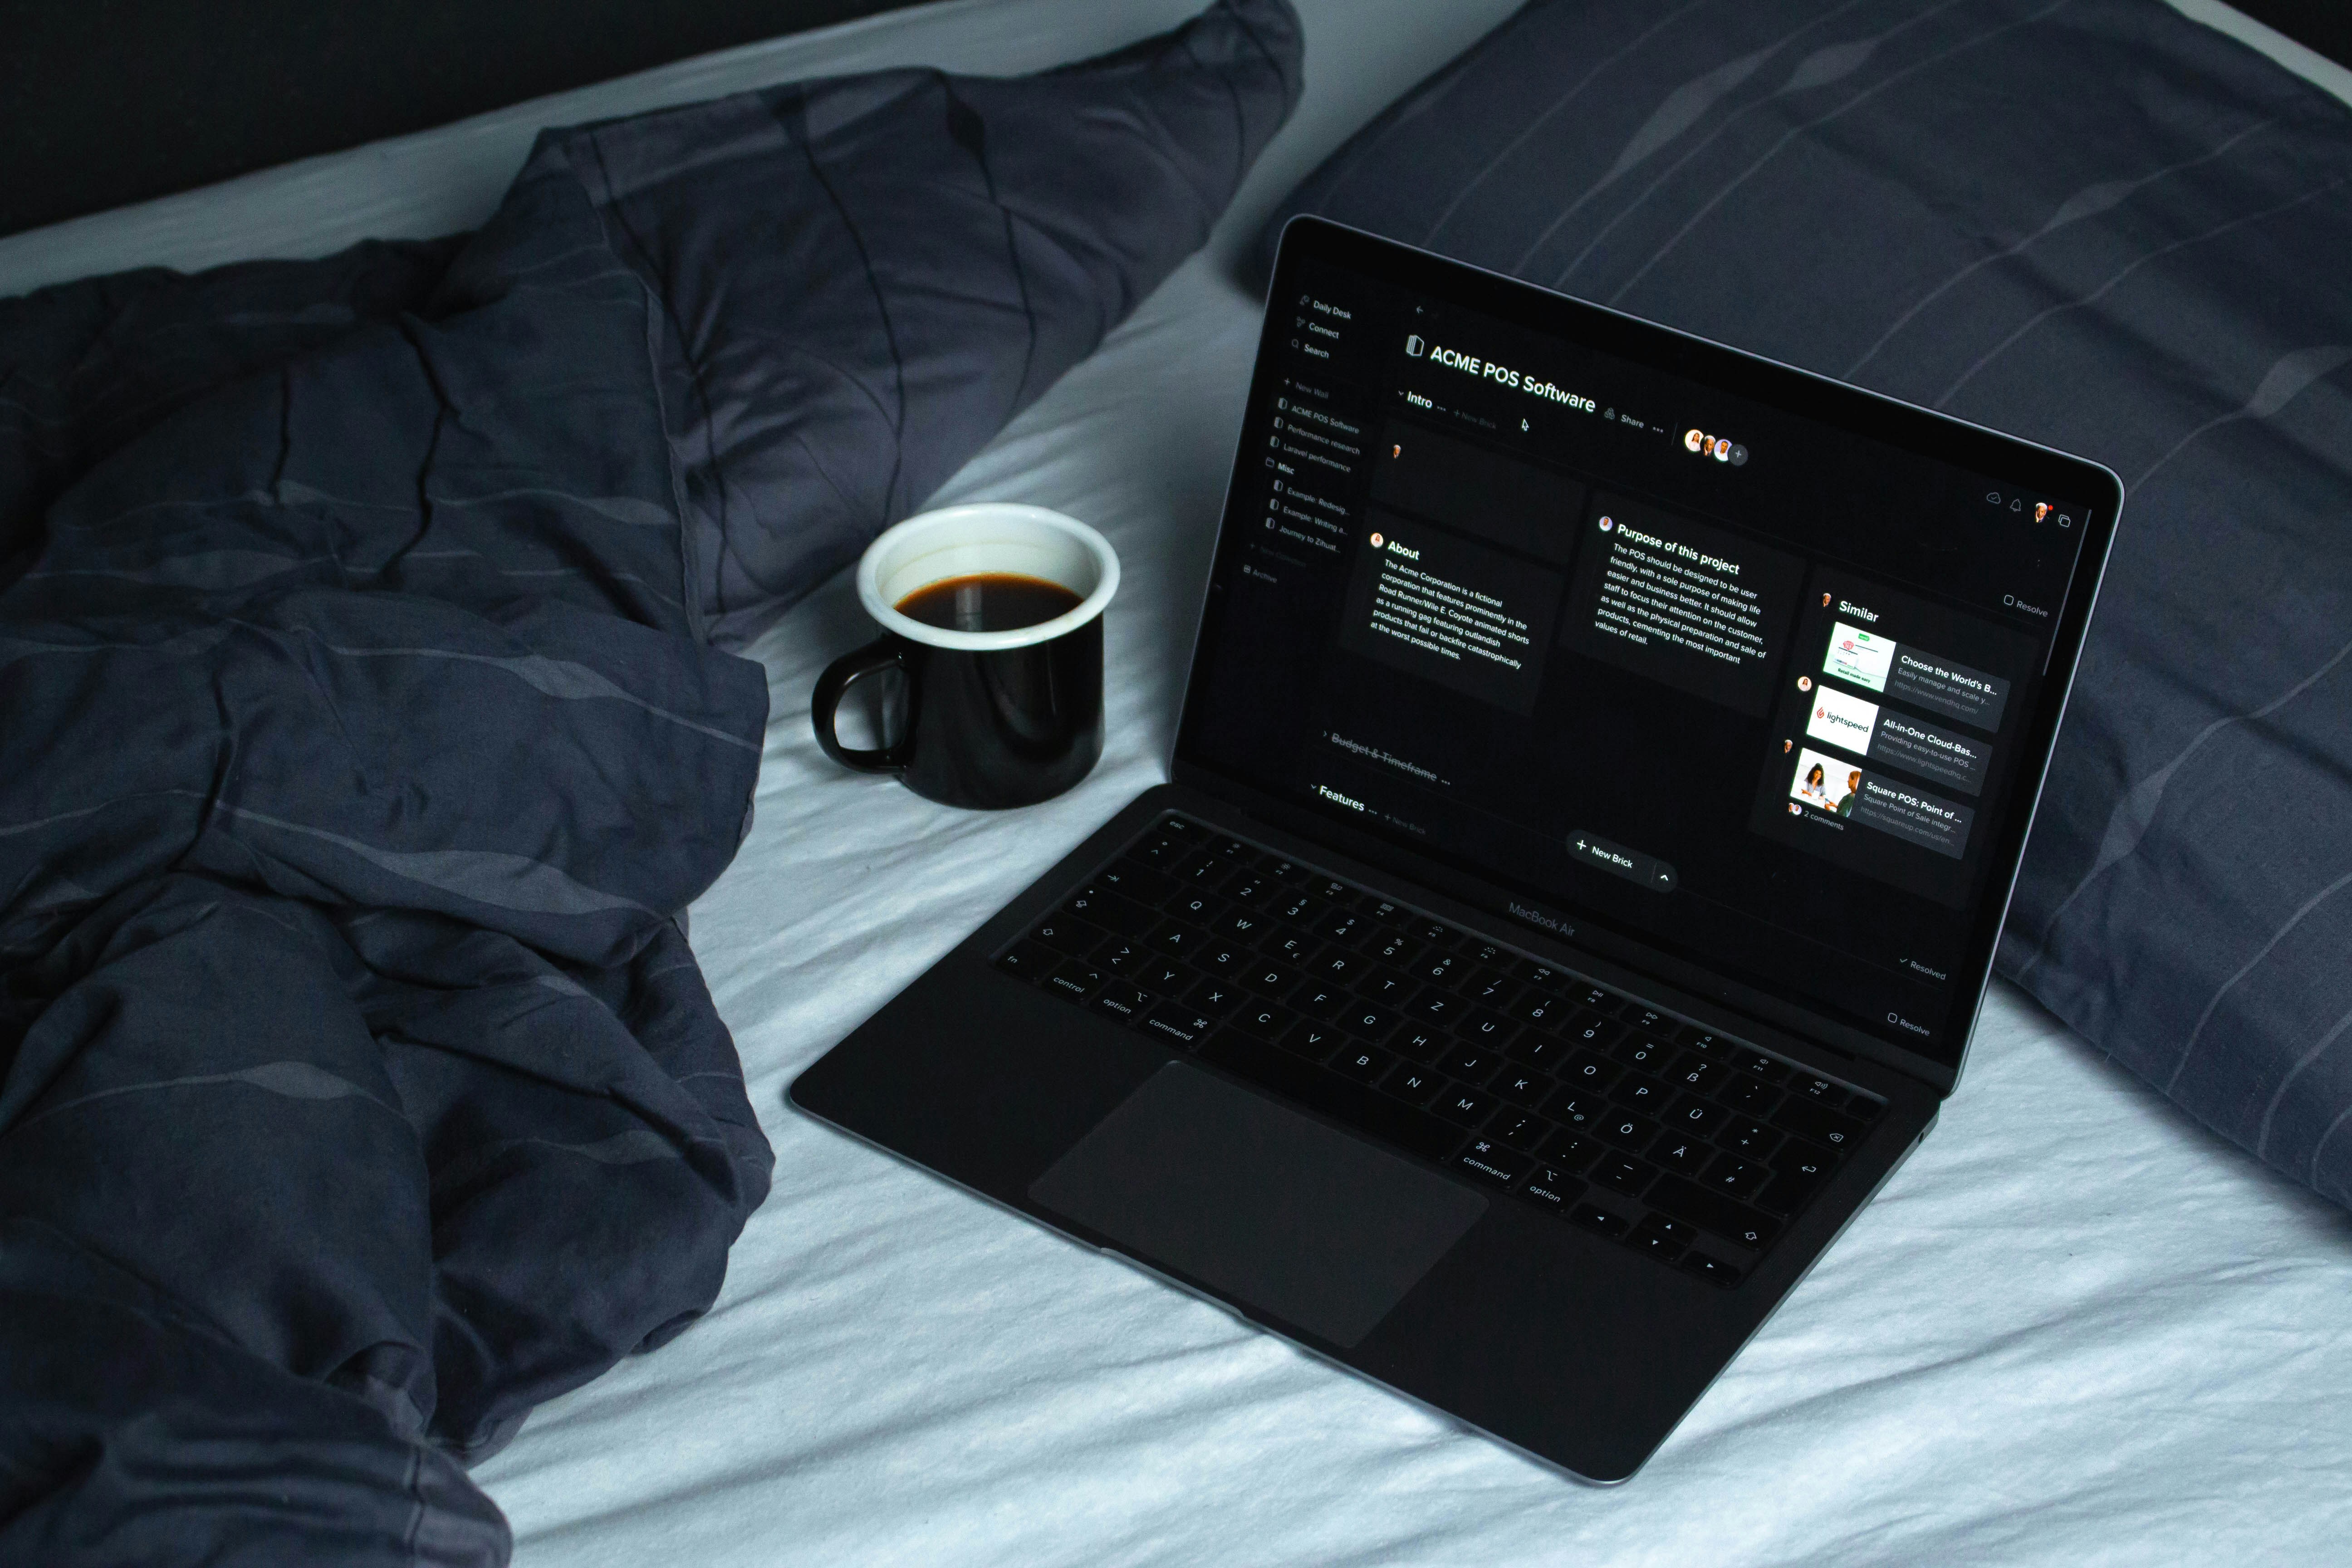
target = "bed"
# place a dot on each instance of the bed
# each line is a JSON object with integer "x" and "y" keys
{"x": 2074, "y": 1328}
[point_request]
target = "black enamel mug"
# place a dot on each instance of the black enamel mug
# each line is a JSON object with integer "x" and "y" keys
{"x": 986, "y": 718}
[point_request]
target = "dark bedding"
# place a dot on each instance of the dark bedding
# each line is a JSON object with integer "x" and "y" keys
{"x": 2096, "y": 224}
{"x": 367, "y": 723}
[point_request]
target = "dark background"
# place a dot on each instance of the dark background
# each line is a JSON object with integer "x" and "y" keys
{"x": 109, "y": 101}
{"x": 2322, "y": 25}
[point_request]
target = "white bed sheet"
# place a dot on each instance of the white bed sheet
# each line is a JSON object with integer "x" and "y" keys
{"x": 2074, "y": 1329}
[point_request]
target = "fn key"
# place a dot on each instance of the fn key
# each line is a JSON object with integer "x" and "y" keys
{"x": 1030, "y": 960}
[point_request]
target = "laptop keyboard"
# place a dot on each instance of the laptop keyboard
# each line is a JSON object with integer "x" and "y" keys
{"x": 1576, "y": 1099}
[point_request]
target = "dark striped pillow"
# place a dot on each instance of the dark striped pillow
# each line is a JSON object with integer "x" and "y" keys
{"x": 2091, "y": 222}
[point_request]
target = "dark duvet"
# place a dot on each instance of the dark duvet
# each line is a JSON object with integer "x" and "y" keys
{"x": 366, "y": 721}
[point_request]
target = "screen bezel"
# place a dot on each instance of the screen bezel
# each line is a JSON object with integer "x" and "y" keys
{"x": 1867, "y": 413}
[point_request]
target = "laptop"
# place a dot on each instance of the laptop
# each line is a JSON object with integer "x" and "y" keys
{"x": 1603, "y": 768}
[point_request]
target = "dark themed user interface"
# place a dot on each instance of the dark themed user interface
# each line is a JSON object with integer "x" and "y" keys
{"x": 1744, "y": 686}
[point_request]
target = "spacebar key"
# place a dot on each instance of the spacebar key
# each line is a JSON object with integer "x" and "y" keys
{"x": 1342, "y": 1099}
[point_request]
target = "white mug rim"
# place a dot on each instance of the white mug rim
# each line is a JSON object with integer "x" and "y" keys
{"x": 869, "y": 568}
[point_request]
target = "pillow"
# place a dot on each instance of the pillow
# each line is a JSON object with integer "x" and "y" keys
{"x": 862, "y": 280}
{"x": 2093, "y": 222}
{"x": 858, "y": 280}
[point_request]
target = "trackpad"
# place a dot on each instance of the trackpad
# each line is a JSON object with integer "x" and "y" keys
{"x": 1277, "y": 1211}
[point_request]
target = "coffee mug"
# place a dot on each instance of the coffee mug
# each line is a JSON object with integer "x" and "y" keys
{"x": 992, "y": 613}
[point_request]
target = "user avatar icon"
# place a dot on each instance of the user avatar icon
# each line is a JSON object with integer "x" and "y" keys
{"x": 1721, "y": 450}
{"x": 1607, "y": 523}
{"x": 1804, "y": 682}
{"x": 1377, "y": 541}
{"x": 1695, "y": 440}
{"x": 1825, "y": 601}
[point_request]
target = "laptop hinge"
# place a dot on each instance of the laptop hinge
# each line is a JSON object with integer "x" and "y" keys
{"x": 1361, "y": 857}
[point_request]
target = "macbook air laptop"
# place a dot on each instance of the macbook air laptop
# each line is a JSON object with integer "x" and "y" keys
{"x": 1604, "y": 765}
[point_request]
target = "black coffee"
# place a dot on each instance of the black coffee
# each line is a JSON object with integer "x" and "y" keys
{"x": 988, "y": 602}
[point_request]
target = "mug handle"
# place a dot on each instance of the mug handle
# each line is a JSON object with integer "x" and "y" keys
{"x": 886, "y": 652}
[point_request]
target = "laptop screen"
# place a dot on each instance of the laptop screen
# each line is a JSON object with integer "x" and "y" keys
{"x": 1728, "y": 672}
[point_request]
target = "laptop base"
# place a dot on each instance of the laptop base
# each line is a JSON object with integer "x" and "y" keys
{"x": 1556, "y": 1341}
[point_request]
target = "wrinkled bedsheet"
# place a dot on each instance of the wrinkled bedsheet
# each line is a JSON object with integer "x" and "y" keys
{"x": 358, "y": 1089}
{"x": 368, "y": 698}
{"x": 2074, "y": 1328}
